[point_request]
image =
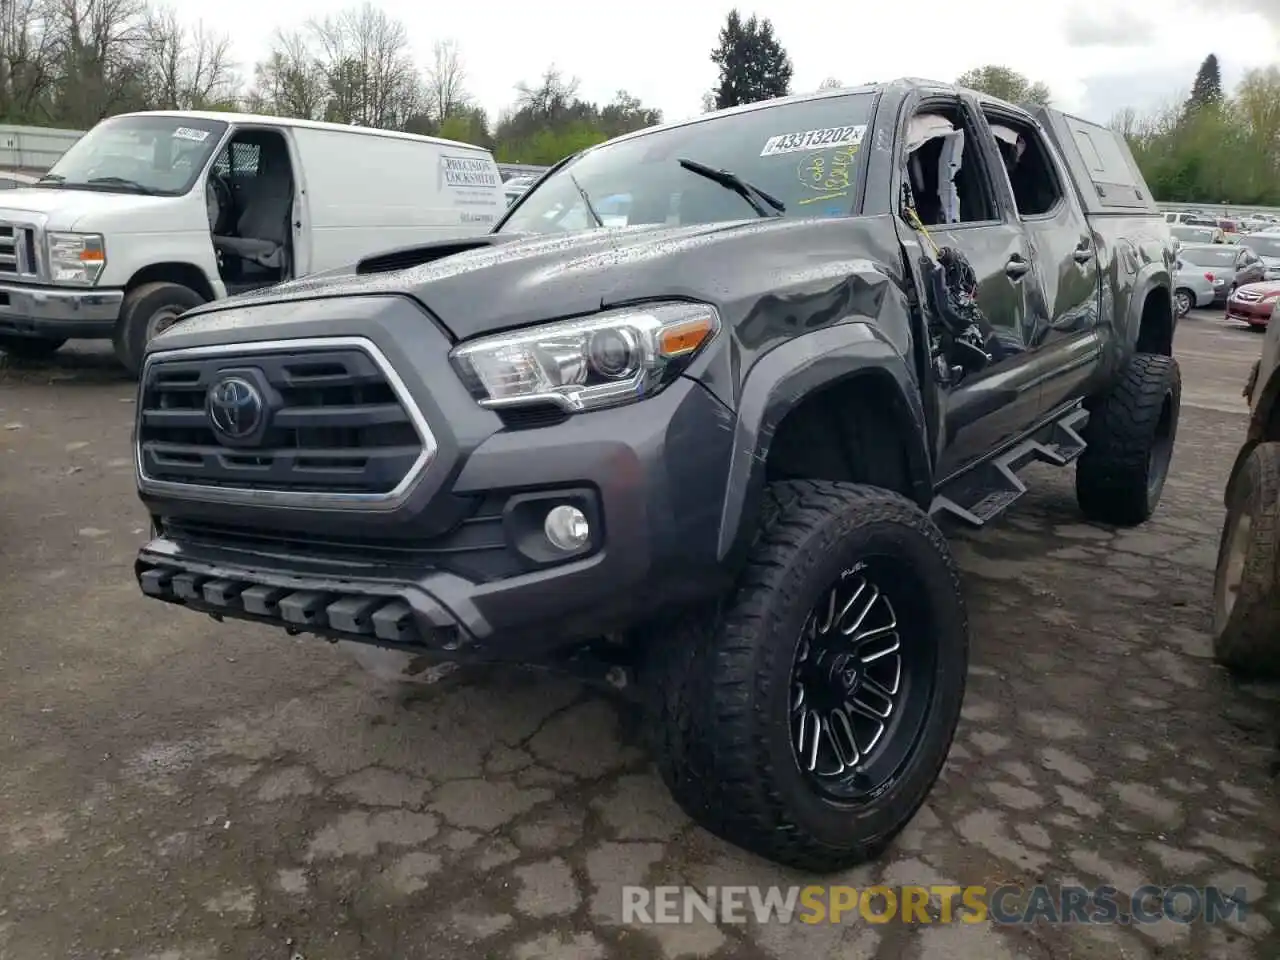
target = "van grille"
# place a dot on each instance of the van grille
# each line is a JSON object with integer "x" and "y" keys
{"x": 18, "y": 256}
{"x": 334, "y": 424}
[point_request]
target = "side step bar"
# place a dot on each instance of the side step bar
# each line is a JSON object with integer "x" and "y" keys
{"x": 978, "y": 496}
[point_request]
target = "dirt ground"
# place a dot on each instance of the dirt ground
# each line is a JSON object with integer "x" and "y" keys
{"x": 172, "y": 788}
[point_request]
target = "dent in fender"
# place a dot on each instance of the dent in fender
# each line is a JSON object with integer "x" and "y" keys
{"x": 785, "y": 376}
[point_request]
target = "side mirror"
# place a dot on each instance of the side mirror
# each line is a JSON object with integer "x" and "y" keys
{"x": 1179, "y": 265}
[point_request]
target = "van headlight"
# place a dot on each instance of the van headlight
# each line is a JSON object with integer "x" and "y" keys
{"x": 598, "y": 361}
{"x": 76, "y": 258}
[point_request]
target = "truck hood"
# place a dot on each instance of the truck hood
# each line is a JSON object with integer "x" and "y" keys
{"x": 73, "y": 209}
{"x": 503, "y": 281}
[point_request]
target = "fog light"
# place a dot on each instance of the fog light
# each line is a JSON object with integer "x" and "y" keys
{"x": 566, "y": 527}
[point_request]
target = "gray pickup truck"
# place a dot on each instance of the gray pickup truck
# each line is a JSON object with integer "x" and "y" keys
{"x": 701, "y": 448}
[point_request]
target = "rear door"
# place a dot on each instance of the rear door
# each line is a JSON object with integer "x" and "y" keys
{"x": 1065, "y": 304}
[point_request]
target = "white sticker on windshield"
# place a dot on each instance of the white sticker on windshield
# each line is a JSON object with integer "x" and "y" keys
{"x": 190, "y": 133}
{"x": 813, "y": 140}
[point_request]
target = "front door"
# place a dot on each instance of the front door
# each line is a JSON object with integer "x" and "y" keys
{"x": 986, "y": 408}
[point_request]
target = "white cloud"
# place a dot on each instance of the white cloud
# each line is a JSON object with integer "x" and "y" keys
{"x": 659, "y": 50}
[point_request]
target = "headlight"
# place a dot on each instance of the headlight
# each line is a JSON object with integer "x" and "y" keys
{"x": 76, "y": 258}
{"x": 599, "y": 361}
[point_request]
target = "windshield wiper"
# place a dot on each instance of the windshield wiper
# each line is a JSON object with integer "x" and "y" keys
{"x": 51, "y": 178}
{"x": 123, "y": 182}
{"x": 586, "y": 200}
{"x": 748, "y": 191}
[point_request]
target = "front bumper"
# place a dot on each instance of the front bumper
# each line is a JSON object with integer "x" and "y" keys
{"x": 1255, "y": 314}
{"x": 459, "y": 564}
{"x": 57, "y": 312}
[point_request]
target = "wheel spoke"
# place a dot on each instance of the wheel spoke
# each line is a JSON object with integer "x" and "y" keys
{"x": 853, "y": 628}
{"x": 814, "y": 723}
{"x": 830, "y": 618}
{"x": 840, "y": 728}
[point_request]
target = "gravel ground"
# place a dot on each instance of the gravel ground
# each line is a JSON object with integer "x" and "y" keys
{"x": 174, "y": 788}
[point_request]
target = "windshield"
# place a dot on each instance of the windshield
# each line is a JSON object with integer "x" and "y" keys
{"x": 804, "y": 154}
{"x": 1264, "y": 246}
{"x": 147, "y": 154}
{"x": 1211, "y": 257}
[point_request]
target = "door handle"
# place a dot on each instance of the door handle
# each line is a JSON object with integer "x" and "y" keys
{"x": 1083, "y": 252}
{"x": 1017, "y": 266}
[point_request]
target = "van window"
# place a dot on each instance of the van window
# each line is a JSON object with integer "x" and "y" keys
{"x": 138, "y": 154}
{"x": 241, "y": 160}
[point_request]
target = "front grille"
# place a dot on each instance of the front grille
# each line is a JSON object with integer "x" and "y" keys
{"x": 18, "y": 252}
{"x": 476, "y": 548}
{"x": 1248, "y": 296}
{"x": 335, "y": 424}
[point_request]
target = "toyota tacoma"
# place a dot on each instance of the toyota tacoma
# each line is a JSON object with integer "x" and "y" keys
{"x": 703, "y": 448}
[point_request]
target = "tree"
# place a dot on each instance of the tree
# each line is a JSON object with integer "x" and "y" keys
{"x": 445, "y": 95}
{"x": 364, "y": 55}
{"x": 188, "y": 68}
{"x": 1206, "y": 90}
{"x": 626, "y": 114}
{"x": 753, "y": 65}
{"x": 290, "y": 82}
{"x": 997, "y": 81}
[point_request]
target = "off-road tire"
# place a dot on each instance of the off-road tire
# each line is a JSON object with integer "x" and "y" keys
{"x": 140, "y": 306}
{"x": 1248, "y": 638}
{"x": 722, "y": 681}
{"x": 1183, "y": 296}
{"x": 29, "y": 348}
{"x": 1121, "y": 474}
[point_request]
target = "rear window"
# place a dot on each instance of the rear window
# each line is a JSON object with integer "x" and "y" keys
{"x": 1193, "y": 234}
{"x": 806, "y": 155}
{"x": 1210, "y": 257}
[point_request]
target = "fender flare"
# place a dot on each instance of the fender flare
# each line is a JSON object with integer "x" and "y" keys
{"x": 1264, "y": 411}
{"x": 785, "y": 376}
{"x": 1150, "y": 277}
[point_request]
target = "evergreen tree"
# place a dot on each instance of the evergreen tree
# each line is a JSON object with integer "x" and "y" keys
{"x": 753, "y": 65}
{"x": 1207, "y": 89}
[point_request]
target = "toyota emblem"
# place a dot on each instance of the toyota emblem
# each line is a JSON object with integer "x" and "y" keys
{"x": 236, "y": 408}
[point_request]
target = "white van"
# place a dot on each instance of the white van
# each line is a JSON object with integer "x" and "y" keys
{"x": 150, "y": 214}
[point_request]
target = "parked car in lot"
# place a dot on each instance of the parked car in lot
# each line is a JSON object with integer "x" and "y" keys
{"x": 1193, "y": 286}
{"x": 1253, "y": 303}
{"x": 699, "y": 452}
{"x": 1225, "y": 266}
{"x": 1266, "y": 244}
{"x": 1187, "y": 233}
{"x": 514, "y": 187}
{"x": 12, "y": 180}
{"x": 1246, "y": 588}
{"x": 150, "y": 214}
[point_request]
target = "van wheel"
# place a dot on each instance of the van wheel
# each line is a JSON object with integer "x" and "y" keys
{"x": 30, "y": 348}
{"x": 1246, "y": 584}
{"x": 1130, "y": 436}
{"x": 807, "y": 720}
{"x": 148, "y": 310}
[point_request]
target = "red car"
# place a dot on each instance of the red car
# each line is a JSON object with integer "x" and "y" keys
{"x": 1253, "y": 303}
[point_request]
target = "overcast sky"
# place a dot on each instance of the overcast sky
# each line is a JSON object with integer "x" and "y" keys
{"x": 1096, "y": 56}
